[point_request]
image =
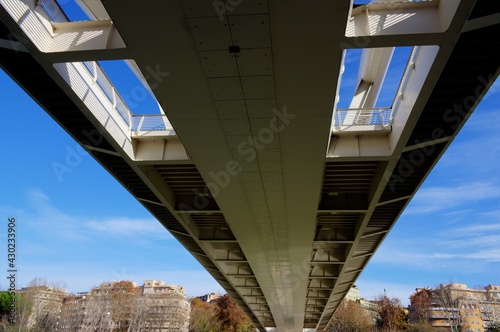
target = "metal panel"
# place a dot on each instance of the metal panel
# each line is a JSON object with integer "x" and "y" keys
{"x": 256, "y": 87}
{"x": 253, "y": 62}
{"x": 219, "y": 63}
{"x": 250, "y": 31}
{"x": 210, "y": 34}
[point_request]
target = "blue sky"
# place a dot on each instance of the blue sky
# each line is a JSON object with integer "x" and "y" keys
{"x": 450, "y": 231}
{"x": 84, "y": 228}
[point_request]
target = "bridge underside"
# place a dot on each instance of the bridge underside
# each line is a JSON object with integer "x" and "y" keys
{"x": 282, "y": 207}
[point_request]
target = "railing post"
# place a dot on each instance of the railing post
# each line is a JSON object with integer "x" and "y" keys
{"x": 139, "y": 126}
{"x": 114, "y": 97}
{"x": 130, "y": 119}
{"x": 381, "y": 116}
{"x": 94, "y": 65}
{"x": 411, "y": 66}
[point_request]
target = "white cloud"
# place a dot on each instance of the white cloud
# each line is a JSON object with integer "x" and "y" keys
{"x": 434, "y": 199}
{"x": 475, "y": 230}
{"x": 44, "y": 218}
{"x": 434, "y": 255}
{"x": 480, "y": 241}
{"x": 488, "y": 255}
{"x": 51, "y": 221}
{"x": 122, "y": 226}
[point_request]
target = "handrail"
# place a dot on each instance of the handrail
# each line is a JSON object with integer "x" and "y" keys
{"x": 362, "y": 116}
{"x": 99, "y": 77}
{"x": 151, "y": 122}
{"x": 381, "y": 116}
{"x": 55, "y": 12}
{"x": 410, "y": 67}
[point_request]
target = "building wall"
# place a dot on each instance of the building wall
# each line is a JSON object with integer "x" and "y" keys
{"x": 46, "y": 302}
{"x": 154, "y": 306}
{"x": 209, "y": 297}
{"x": 472, "y": 309}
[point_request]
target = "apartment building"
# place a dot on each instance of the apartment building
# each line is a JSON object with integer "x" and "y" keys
{"x": 457, "y": 306}
{"x": 167, "y": 306}
{"x": 41, "y": 305}
{"x": 210, "y": 297}
{"x": 115, "y": 306}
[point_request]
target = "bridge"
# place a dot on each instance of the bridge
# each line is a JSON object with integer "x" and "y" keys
{"x": 279, "y": 193}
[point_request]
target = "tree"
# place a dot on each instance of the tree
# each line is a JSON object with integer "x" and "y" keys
{"x": 72, "y": 313}
{"x": 22, "y": 309}
{"x": 139, "y": 316}
{"x": 97, "y": 311}
{"x": 420, "y": 307}
{"x": 5, "y": 301}
{"x": 223, "y": 315}
{"x": 111, "y": 307}
{"x": 38, "y": 305}
{"x": 351, "y": 317}
{"x": 123, "y": 300}
{"x": 494, "y": 327}
{"x": 420, "y": 311}
{"x": 203, "y": 317}
{"x": 392, "y": 316}
{"x": 230, "y": 315}
{"x": 449, "y": 303}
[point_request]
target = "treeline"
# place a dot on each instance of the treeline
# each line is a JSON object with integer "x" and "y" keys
{"x": 383, "y": 315}
{"x": 111, "y": 307}
{"x": 116, "y": 307}
{"x": 444, "y": 308}
{"x": 220, "y": 315}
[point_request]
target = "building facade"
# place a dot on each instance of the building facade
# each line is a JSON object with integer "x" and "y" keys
{"x": 167, "y": 306}
{"x": 457, "y": 307}
{"x": 125, "y": 306}
{"x": 209, "y": 297}
{"x": 41, "y": 306}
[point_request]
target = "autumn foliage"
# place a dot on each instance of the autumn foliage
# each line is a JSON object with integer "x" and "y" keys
{"x": 391, "y": 317}
{"x": 222, "y": 315}
{"x": 351, "y": 317}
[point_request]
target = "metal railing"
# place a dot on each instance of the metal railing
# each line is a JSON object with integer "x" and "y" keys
{"x": 410, "y": 68}
{"x": 151, "y": 122}
{"x": 148, "y": 122}
{"x": 377, "y": 118}
{"x": 103, "y": 82}
{"x": 362, "y": 116}
{"x": 52, "y": 8}
{"x": 56, "y": 14}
